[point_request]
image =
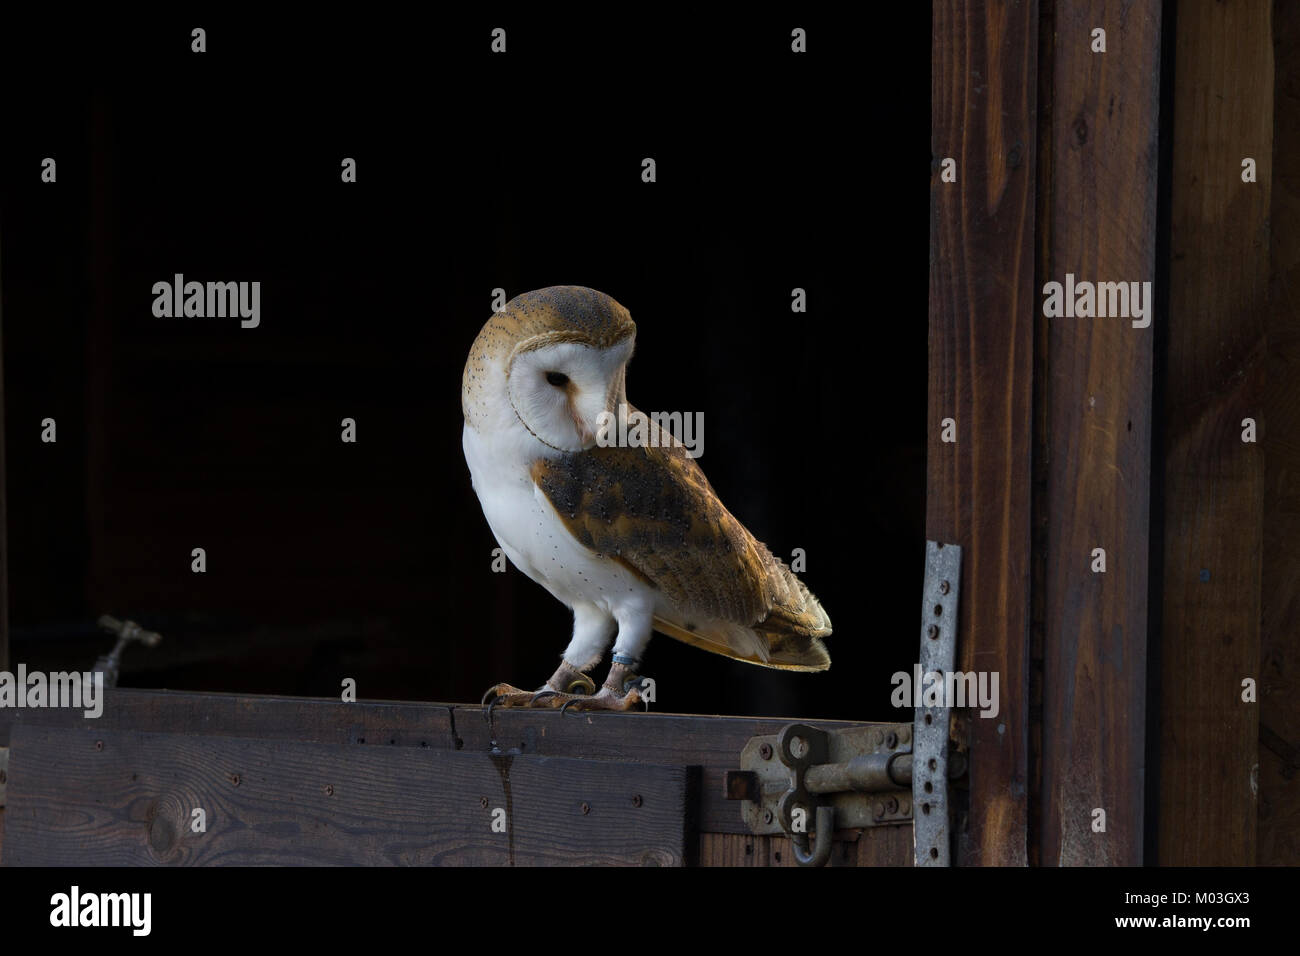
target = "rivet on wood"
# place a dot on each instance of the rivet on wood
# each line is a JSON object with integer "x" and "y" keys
{"x": 329, "y": 789}
{"x": 483, "y": 802}
{"x": 586, "y": 808}
{"x": 99, "y": 745}
{"x": 234, "y": 778}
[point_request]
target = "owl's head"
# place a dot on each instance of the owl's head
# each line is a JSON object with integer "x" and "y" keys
{"x": 553, "y": 359}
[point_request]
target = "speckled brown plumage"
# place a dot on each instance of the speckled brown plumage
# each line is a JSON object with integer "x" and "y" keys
{"x": 652, "y": 510}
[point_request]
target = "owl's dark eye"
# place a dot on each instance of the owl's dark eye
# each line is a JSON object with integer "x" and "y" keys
{"x": 558, "y": 379}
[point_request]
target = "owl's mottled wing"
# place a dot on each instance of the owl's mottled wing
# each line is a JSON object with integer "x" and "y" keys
{"x": 652, "y": 510}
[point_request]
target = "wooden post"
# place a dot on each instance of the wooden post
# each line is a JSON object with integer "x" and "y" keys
{"x": 1102, "y": 181}
{"x": 1279, "y": 699}
{"x": 982, "y": 304}
{"x": 1213, "y": 479}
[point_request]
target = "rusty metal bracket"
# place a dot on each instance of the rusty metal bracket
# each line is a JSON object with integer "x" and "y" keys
{"x": 806, "y": 782}
{"x": 861, "y": 774}
{"x": 931, "y": 760}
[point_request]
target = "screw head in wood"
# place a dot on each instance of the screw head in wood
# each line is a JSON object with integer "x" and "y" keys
{"x": 765, "y": 751}
{"x": 586, "y": 808}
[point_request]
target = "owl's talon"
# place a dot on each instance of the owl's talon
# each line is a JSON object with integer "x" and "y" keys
{"x": 605, "y": 700}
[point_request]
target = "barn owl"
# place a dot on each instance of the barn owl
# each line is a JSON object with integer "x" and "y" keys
{"x": 631, "y": 539}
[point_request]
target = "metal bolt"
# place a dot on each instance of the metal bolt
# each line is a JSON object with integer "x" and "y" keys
{"x": 765, "y": 751}
{"x": 636, "y": 800}
{"x": 767, "y": 816}
{"x": 483, "y": 802}
{"x": 933, "y": 632}
{"x": 891, "y": 740}
{"x": 586, "y": 808}
{"x": 944, "y": 587}
{"x": 329, "y": 790}
{"x": 892, "y": 805}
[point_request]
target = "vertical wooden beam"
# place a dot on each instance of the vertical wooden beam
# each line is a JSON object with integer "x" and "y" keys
{"x": 1214, "y": 482}
{"x": 1104, "y": 157}
{"x": 1279, "y": 699}
{"x": 982, "y": 302}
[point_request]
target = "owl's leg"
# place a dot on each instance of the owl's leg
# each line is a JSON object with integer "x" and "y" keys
{"x": 593, "y": 629}
{"x": 621, "y": 690}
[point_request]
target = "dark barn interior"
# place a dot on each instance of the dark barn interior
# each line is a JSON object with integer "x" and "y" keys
{"x": 372, "y": 560}
{"x": 1121, "y": 494}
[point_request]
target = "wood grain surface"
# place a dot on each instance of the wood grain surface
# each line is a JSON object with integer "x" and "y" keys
{"x": 982, "y": 304}
{"x": 1103, "y": 185}
{"x": 1214, "y": 482}
{"x": 277, "y": 802}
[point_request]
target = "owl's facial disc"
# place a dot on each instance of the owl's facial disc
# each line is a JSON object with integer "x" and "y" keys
{"x": 559, "y": 389}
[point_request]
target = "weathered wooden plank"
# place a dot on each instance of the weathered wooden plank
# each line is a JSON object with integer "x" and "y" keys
{"x": 1214, "y": 482}
{"x": 1103, "y": 179}
{"x": 1279, "y": 699}
{"x": 981, "y": 333}
{"x": 879, "y": 846}
{"x": 284, "y": 802}
{"x": 713, "y": 743}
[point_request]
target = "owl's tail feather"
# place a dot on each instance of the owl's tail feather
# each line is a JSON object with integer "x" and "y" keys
{"x": 788, "y": 638}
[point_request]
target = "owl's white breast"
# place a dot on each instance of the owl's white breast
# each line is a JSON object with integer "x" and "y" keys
{"x": 531, "y": 533}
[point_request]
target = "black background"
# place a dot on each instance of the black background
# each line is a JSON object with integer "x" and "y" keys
{"x": 475, "y": 171}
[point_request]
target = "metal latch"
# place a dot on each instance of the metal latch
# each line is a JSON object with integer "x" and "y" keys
{"x": 806, "y": 780}
{"x": 127, "y": 632}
